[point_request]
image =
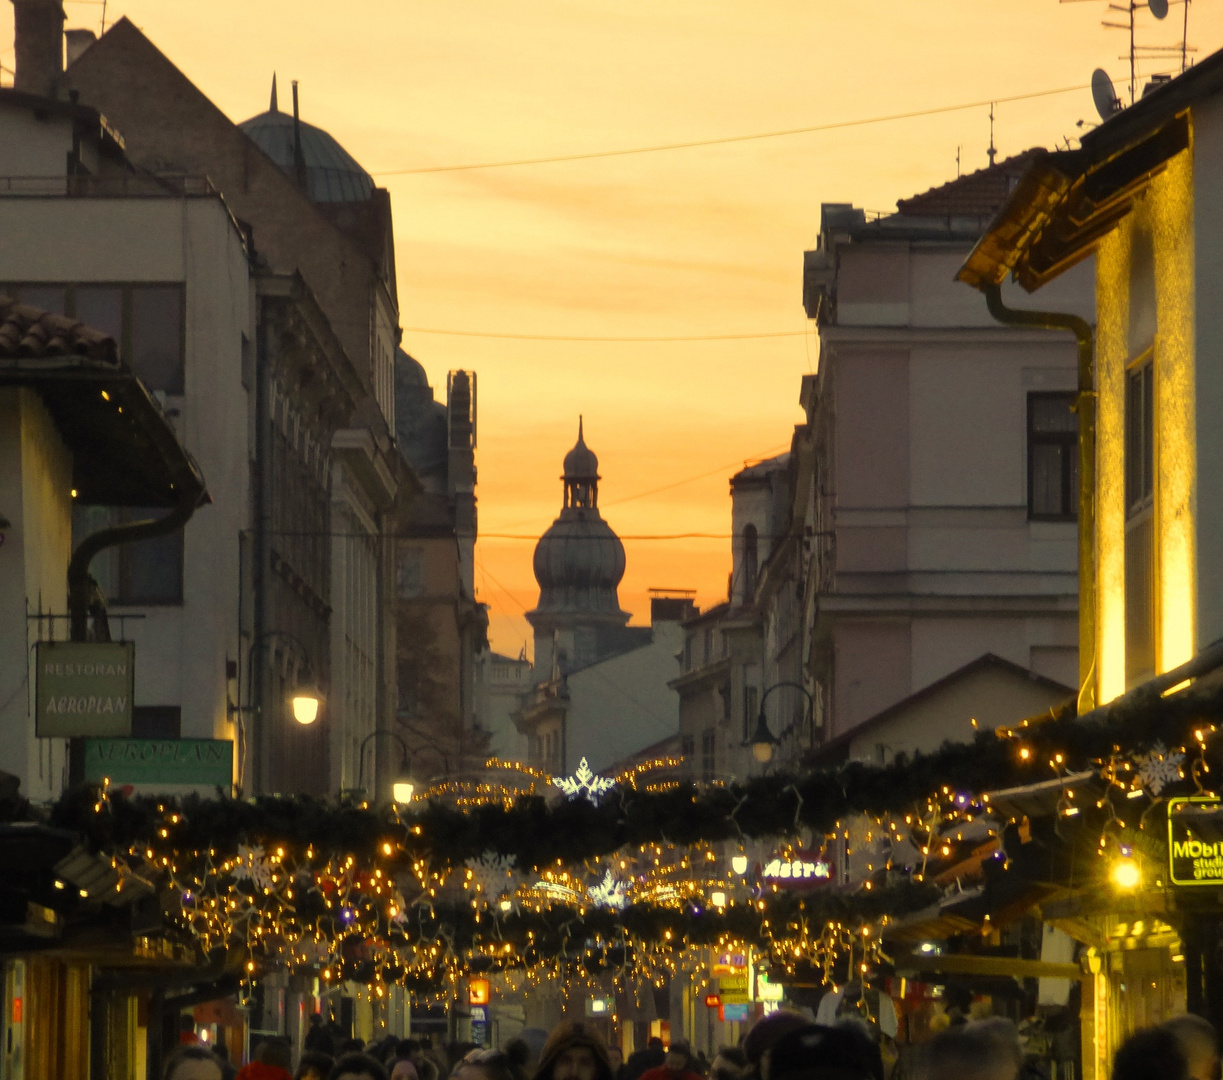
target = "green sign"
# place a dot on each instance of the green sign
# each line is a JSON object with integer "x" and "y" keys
{"x": 202, "y": 762}
{"x": 83, "y": 688}
{"x": 1195, "y": 841}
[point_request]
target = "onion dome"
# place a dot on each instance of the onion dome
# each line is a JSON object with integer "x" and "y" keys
{"x": 579, "y": 562}
{"x": 328, "y": 172}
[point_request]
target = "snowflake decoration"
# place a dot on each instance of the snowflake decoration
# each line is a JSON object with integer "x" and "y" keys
{"x": 1158, "y": 768}
{"x": 584, "y": 783}
{"x": 492, "y": 873}
{"x": 608, "y": 893}
{"x": 253, "y": 865}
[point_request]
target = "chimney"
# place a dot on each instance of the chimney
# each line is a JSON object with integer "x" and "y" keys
{"x": 78, "y": 41}
{"x": 39, "y": 43}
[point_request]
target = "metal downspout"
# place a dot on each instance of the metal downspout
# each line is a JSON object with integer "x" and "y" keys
{"x": 1085, "y": 406}
{"x": 93, "y": 545}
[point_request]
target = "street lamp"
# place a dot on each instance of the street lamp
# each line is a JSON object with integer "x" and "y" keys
{"x": 306, "y": 699}
{"x": 403, "y": 786}
{"x": 763, "y": 740}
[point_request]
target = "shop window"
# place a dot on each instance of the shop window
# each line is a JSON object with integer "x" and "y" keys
{"x": 1140, "y": 523}
{"x": 157, "y": 722}
{"x": 142, "y": 572}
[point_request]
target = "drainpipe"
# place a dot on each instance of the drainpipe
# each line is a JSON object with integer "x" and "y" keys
{"x": 1085, "y": 406}
{"x": 78, "y": 568}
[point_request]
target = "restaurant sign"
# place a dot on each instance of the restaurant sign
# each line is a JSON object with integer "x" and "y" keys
{"x": 83, "y": 688}
{"x": 198, "y": 762}
{"x": 1195, "y": 841}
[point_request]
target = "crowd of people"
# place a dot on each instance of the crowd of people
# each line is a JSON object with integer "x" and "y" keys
{"x": 782, "y": 1046}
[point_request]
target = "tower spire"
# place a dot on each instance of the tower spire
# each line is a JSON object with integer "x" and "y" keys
{"x": 580, "y": 439}
{"x": 273, "y": 107}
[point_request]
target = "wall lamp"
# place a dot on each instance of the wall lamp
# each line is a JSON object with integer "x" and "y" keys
{"x": 763, "y": 740}
{"x": 305, "y": 698}
{"x": 402, "y": 786}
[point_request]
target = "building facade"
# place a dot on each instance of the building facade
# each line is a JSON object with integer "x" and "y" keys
{"x": 937, "y": 520}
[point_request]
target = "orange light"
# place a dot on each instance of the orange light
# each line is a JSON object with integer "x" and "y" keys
{"x": 478, "y": 992}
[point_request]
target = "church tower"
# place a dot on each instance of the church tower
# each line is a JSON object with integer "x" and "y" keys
{"x": 578, "y": 563}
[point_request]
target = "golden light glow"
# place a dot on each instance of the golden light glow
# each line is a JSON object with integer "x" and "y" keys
{"x": 1125, "y": 873}
{"x": 402, "y": 791}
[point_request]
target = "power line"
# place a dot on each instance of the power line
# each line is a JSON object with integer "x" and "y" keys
{"x": 914, "y": 114}
{"x": 562, "y": 337}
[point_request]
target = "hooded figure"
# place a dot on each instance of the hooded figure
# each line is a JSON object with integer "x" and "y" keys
{"x": 574, "y": 1051}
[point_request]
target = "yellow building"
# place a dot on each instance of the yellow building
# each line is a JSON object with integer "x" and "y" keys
{"x": 1142, "y": 194}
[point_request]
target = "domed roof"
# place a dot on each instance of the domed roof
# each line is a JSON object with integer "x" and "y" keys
{"x": 580, "y": 462}
{"x": 332, "y": 173}
{"x": 578, "y": 563}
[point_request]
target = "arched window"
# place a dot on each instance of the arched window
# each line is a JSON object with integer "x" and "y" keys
{"x": 750, "y": 562}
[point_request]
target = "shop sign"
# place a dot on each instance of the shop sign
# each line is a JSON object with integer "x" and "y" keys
{"x": 199, "y": 762}
{"x": 804, "y": 870}
{"x": 728, "y": 964}
{"x": 712, "y": 1001}
{"x": 768, "y": 991}
{"x": 732, "y": 1013}
{"x": 1195, "y": 841}
{"x": 478, "y": 992}
{"x": 83, "y": 689}
{"x": 737, "y": 981}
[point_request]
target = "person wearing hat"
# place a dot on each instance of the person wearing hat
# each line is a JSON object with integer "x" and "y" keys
{"x": 574, "y": 1051}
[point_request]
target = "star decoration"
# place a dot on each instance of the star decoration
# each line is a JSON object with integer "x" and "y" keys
{"x": 253, "y": 864}
{"x": 1158, "y": 768}
{"x": 584, "y": 783}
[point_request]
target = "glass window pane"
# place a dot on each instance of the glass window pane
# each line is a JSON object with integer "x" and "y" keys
{"x": 157, "y": 336}
{"x": 48, "y": 297}
{"x": 153, "y": 570}
{"x": 1047, "y": 479}
{"x": 87, "y": 520}
{"x": 1148, "y": 430}
{"x": 101, "y": 309}
{"x": 1053, "y": 414}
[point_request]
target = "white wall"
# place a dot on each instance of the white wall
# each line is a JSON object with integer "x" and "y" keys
{"x": 623, "y": 704}
{"x": 180, "y": 650}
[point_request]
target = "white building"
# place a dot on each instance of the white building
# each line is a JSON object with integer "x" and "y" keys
{"x": 937, "y": 522}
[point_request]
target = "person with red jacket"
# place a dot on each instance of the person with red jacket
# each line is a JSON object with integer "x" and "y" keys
{"x": 272, "y": 1061}
{"x": 677, "y": 1065}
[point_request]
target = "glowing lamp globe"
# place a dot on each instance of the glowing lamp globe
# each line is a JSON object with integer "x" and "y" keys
{"x": 739, "y": 864}
{"x": 718, "y": 899}
{"x": 401, "y": 790}
{"x": 306, "y": 706}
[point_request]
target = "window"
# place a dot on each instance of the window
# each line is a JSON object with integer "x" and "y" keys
{"x": 750, "y": 708}
{"x": 687, "y": 746}
{"x": 1053, "y": 458}
{"x": 141, "y": 572}
{"x": 724, "y": 694}
{"x": 1140, "y": 523}
{"x": 709, "y": 753}
{"x": 410, "y": 573}
{"x": 750, "y": 559}
{"x": 147, "y": 322}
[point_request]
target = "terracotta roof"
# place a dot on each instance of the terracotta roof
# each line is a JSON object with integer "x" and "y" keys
{"x": 977, "y": 194}
{"x": 30, "y": 332}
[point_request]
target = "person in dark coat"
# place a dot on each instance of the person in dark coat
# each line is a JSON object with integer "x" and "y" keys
{"x": 639, "y": 1061}
{"x": 574, "y": 1051}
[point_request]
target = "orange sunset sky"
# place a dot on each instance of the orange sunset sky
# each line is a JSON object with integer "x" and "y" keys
{"x": 692, "y": 242}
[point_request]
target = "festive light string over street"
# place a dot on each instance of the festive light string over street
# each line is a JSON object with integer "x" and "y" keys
{"x": 625, "y": 882}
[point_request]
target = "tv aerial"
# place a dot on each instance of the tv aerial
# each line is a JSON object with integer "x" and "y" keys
{"x": 1139, "y": 52}
{"x": 1104, "y": 95}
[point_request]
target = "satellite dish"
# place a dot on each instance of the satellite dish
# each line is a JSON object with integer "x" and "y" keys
{"x": 1159, "y": 8}
{"x": 1103, "y": 94}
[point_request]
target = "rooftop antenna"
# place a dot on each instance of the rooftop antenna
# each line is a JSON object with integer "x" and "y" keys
{"x": 992, "y": 152}
{"x": 299, "y": 159}
{"x": 957, "y": 161}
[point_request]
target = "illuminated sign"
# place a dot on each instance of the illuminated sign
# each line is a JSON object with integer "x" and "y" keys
{"x": 767, "y": 991}
{"x": 1195, "y": 841}
{"x": 733, "y": 1013}
{"x": 798, "y": 870}
{"x": 712, "y": 1001}
{"x": 728, "y": 964}
{"x": 478, "y": 992}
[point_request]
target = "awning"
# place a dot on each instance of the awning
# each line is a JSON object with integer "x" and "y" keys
{"x": 125, "y": 453}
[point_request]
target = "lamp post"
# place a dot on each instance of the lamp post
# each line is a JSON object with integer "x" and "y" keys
{"x": 403, "y": 785}
{"x": 305, "y": 698}
{"x": 763, "y": 740}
